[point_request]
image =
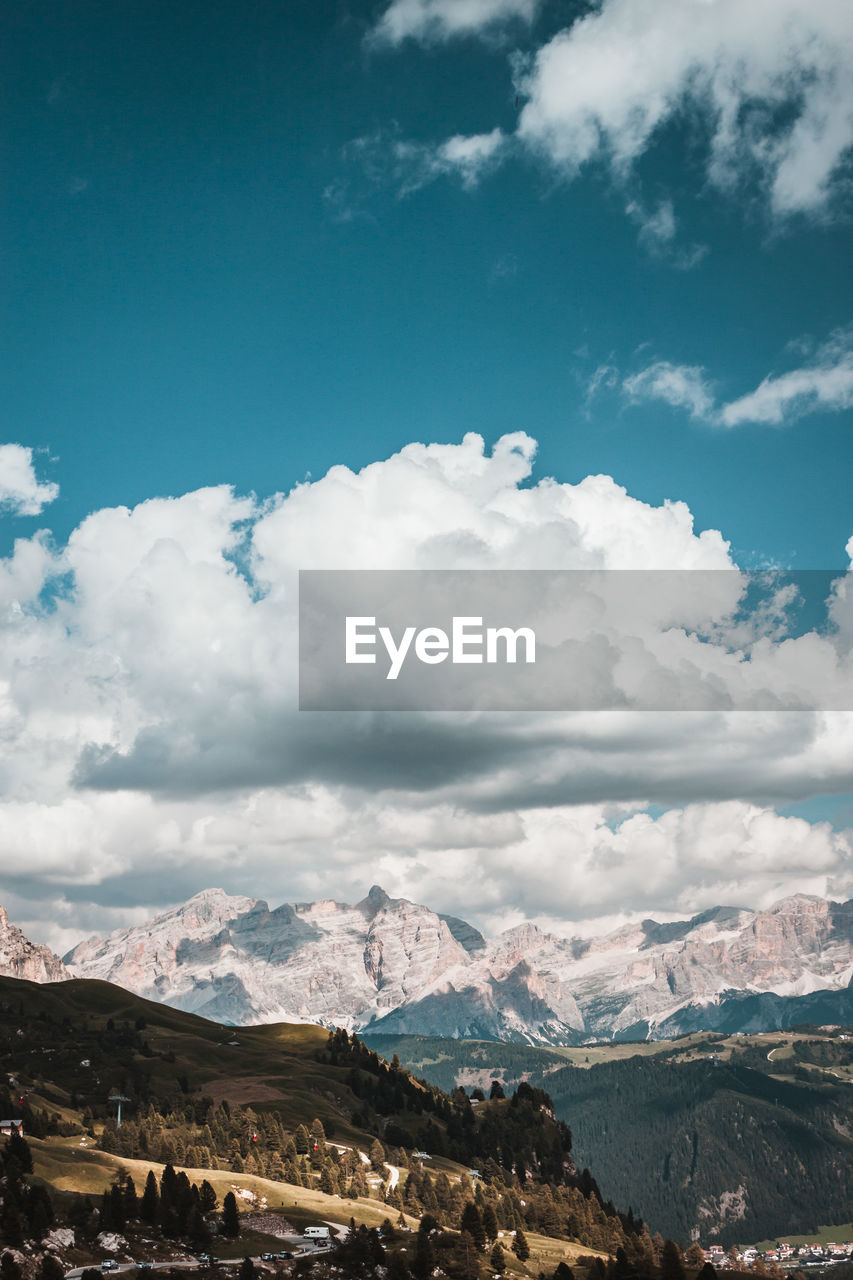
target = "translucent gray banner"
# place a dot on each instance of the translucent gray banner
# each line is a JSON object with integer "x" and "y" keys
{"x": 574, "y": 640}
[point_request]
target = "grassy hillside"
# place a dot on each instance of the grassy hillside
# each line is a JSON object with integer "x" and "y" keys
{"x": 150, "y": 1050}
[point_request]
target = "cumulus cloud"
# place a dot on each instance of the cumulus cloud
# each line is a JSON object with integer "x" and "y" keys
{"x": 682, "y": 386}
{"x": 704, "y": 854}
{"x": 151, "y": 742}
{"x": 770, "y": 81}
{"x": 436, "y": 20}
{"x": 21, "y": 493}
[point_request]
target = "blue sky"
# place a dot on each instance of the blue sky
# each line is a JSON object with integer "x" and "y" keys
{"x": 207, "y": 282}
{"x": 247, "y": 244}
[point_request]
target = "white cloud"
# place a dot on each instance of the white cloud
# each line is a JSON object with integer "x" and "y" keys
{"x": 457, "y": 506}
{"x": 588, "y": 865}
{"x": 657, "y": 235}
{"x": 385, "y": 159}
{"x": 25, "y": 572}
{"x": 20, "y": 491}
{"x": 826, "y": 383}
{"x": 771, "y": 80}
{"x": 413, "y": 165}
{"x": 470, "y": 156}
{"x": 151, "y": 743}
{"x": 682, "y": 386}
{"x": 435, "y": 20}
{"x": 657, "y": 226}
{"x": 766, "y": 88}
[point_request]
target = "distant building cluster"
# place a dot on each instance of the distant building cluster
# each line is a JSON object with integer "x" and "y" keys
{"x": 784, "y": 1254}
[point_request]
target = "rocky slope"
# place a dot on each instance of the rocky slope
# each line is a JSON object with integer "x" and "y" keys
{"x": 402, "y": 968}
{"x": 20, "y": 958}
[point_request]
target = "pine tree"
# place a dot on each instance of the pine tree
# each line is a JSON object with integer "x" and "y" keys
{"x": 473, "y": 1224}
{"x": 466, "y": 1257}
{"x": 490, "y": 1222}
{"x": 230, "y": 1216}
{"x": 131, "y": 1202}
{"x": 424, "y": 1254}
{"x": 149, "y": 1208}
{"x": 317, "y": 1150}
{"x": 520, "y": 1247}
{"x": 671, "y": 1267}
{"x": 496, "y": 1259}
{"x": 18, "y": 1149}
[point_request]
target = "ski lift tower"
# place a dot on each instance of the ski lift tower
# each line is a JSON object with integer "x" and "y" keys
{"x": 118, "y": 1098}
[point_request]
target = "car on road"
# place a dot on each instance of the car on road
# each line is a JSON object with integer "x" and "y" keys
{"x": 283, "y": 1255}
{"x": 267, "y": 1257}
{"x": 109, "y": 1264}
{"x": 142, "y": 1266}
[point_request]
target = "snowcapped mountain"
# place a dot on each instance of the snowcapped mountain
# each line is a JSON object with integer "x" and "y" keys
{"x": 20, "y": 958}
{"x": 399, "y": 967}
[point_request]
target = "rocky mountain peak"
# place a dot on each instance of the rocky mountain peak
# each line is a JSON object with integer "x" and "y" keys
{"x": 522, "y": 935}
{"x": 212, "y": 902}
{"x": 800, "y": 904}
{"x": 375, "y": 901}
{"x": 20, "y": 958}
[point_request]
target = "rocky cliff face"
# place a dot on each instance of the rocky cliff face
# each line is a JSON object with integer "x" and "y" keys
{"x": 400, "y": 967}
{"x": 20, "y": 958}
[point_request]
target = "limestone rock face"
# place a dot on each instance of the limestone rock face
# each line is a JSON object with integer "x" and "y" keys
{"x": 20, "y": 958}
{"x": 401, "y": 968}
{"x": 234, "y": 960}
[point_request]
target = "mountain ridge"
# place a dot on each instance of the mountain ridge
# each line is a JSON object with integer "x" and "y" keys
{"x": 399, "y": 968}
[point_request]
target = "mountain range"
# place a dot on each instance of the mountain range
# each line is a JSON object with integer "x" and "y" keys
{"x": 400, "y": 968}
